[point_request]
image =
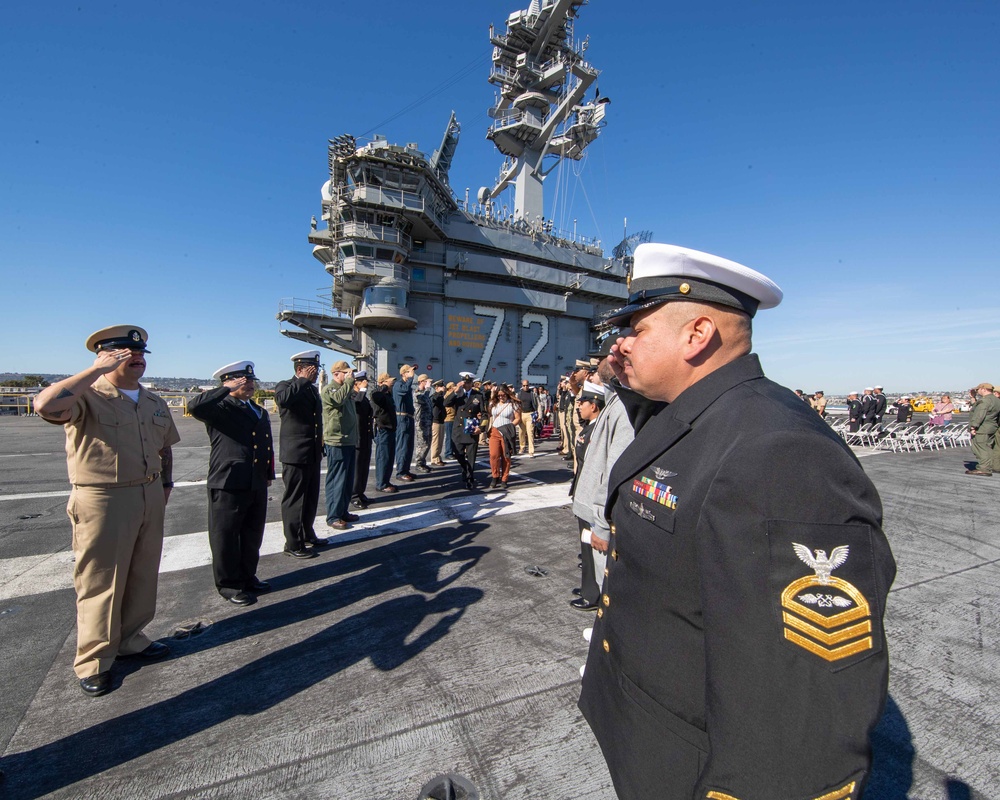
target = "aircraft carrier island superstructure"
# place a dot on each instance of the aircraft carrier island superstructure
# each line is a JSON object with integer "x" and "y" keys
{"x": 423, "y": 277}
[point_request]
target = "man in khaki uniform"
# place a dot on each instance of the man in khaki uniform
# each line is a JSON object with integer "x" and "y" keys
{"x": 118, "y": 440}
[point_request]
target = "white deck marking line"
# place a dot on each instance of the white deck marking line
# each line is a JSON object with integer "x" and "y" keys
{"x": 30, "y": 575}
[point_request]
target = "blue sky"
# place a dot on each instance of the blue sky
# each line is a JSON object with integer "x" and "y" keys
{"x": 159, "y": 164}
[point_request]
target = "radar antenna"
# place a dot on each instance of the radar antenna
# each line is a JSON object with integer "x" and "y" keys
{"x": 626, "y": 247}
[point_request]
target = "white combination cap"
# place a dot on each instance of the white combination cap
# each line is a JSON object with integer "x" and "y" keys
{"x": 664, "y": 272}
{"x": 238, "y": 369}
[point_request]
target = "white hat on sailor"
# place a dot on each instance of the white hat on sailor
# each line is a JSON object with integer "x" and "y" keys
{"x": 593, "y": 392}
{"x": 238, "y": 369}
{"x": 663, "y": 272}
{"x": 307, "y": 355}
{"x": 467, "y": 376}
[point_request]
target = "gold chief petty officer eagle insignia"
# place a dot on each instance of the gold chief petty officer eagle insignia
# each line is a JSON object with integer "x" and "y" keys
{"x": 823, "y": 614}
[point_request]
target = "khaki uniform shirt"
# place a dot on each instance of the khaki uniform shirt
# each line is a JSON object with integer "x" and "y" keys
{"x": 111, "y": 441}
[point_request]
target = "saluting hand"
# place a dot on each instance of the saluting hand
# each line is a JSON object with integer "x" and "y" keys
{"x": 108, "y": 360}
{"x": 617, "y": 363}
{"x": 235, "y": 383}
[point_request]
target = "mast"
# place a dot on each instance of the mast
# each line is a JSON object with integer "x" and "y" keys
{"x": 542, "y": 78}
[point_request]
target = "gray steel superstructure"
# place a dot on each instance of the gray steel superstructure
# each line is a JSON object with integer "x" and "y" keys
{"x": 422, "y": 277}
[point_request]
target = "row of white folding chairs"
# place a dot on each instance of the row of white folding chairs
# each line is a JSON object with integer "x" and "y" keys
{"x": 924, "y": 436}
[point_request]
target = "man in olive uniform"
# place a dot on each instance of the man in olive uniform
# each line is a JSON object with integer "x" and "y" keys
{"x": 984, "y": 420}
{"x": 118, "y": 448}
{"x": 739, "y": 650}
{"x": 301, "y": 454}
{"x": 340, "y": 439}
{"x": 240, "y": 468}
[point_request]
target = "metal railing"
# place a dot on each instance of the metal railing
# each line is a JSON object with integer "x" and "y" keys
{"x": 312, "y": 308}
{"x": 361, "y": 265}
{"x": 363, "y": 192}
{"x": 16, "y": 404}
{"x": 377, "y": 233}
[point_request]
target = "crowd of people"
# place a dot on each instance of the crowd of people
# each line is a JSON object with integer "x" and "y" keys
{"x": 709, "y": 578}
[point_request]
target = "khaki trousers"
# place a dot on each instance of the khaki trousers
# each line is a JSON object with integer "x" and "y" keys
{"x": 568, "y": 437}
{"x": 117, "y": 541}
{"x": 526, "y": 431}
{"x": 437, "y": 441}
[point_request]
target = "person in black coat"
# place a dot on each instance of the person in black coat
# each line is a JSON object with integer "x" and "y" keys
{"x": 869, "y": 407}
{"x": 590, "y": 405}
{"x": 855, "y": 412}
{"x": 469, "y": 406}
{"x": 300, "y": 453}
{"x": 366, "y": 435}
{"x": 384, "y": 420}
{"x": 739, "y": 648}
{"x": 240, "y": 468}
{"x": 904, "y": 410}
{"x": 881, "y": 403}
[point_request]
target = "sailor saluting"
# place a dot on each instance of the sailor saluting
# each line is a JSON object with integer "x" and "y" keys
{"x": 728, "y": 660}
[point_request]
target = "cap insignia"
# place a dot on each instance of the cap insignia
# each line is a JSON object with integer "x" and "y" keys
{"x": 134, "y": 336}
{"x": 684, "y": 288}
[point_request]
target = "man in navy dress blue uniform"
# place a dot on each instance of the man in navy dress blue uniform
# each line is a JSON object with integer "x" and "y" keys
{"x": 301, "y": 454}
{"x": 739, "y": 649}
{"x": 240, "y": 468}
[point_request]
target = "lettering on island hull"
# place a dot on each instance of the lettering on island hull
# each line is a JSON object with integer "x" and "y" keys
{"x": 490, "y": 287}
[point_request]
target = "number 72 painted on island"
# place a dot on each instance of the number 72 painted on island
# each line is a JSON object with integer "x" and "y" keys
{"x": 527, "y": 320}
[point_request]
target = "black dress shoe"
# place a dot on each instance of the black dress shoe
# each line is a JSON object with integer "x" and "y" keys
{"x": 239, "y": 598}
{"x": 407, "y": 478}
{"x": 96, "y": 685}
{"x": 352, "y": 517}
{"x": 303, "y": 553}
{"x": 317, "y": 541}
{"x": 494, "y": 483}
{"x": 577, "y": 592}
{"x": 258, "y": 586}
{"x": 580, "y": 604}
{"x": 153, "y": 651}
{"x": 359, "y": 504}
{"x": 423, "y": 469}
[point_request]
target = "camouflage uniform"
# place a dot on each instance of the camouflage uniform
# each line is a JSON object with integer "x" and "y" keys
{"x": 423, "y": 425}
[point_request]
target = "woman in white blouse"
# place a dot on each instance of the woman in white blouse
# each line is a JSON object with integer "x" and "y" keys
{"x": 505, "y": 416}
